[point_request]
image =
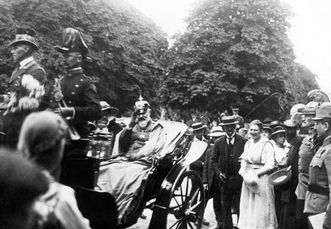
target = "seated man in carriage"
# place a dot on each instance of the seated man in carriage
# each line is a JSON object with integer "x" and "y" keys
{"x": 124, "y": 175}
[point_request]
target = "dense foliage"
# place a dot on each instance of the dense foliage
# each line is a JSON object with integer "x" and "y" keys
{"x": 235, "y": 53}
{"x": 124, "y": 45}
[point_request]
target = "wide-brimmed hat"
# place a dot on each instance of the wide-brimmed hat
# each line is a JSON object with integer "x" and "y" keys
{"x": 105, "y": 107}
{"x": 280, "y": 176}
{"x": 277, "y": 130}
{"x": 72, "y": 41}
{"x": 266, "y": 127}
{"x": 324, "y": 111}
{"x": 275, "y": 123}
{"x": 216, "y": 131}
{"x": 228, "y": 120}
{"x": 25, "y": 36}
{"x": 290, "y": 124}
{"x": 197, "y": 126}
{"x": 235, "y": 108}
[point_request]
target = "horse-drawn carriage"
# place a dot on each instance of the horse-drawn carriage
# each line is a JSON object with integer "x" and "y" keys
{"x": 173, "y": 192}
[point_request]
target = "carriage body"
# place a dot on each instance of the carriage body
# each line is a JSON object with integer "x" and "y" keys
{"x": 173, "y": 192}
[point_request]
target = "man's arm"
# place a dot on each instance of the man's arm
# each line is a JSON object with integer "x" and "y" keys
{"x": 215, "y": 158}
{"x": 92, "y": 109}
{"x": 158, "y": 138}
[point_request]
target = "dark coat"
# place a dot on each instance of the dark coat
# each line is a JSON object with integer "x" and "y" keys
{"x": 228, "y": 163}
{"x": 12, "y": 121}
{"x": 79, "y": 92}
{"x": 288, "y": 195}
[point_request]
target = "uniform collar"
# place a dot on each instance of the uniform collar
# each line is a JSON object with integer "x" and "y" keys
{"x": 327, "y": 140}
{"x": 24, "y": 63}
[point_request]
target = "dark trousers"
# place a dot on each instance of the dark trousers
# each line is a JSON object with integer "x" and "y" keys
{"x": 301, "y": 219}
{"x": 231, "y": 200}
{"x": 216, "y": 195}
{"x": 287, "y": 216}
{"x": 223, "y": 205}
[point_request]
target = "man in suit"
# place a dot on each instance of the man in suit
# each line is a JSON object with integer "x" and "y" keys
{"x": 78, "y": 104}
{"x": 225, "y": 162}
{"x": 26, "y": 85}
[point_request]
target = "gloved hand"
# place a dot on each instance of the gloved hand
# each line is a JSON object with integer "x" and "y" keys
{"x": 67, "y": 112}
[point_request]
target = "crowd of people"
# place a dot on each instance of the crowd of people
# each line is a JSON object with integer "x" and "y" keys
{"x": 270, "y": 174}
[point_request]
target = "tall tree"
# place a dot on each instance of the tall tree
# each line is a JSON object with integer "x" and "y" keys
{"x": 232, "y": 53}
{"x": 125, "y": 46}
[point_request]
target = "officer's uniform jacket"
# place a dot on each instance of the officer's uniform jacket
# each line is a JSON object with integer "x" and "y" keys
{"x": 13, "y": 120}
{"x": 79, "y": 92}
{"x": 317, "y": 197}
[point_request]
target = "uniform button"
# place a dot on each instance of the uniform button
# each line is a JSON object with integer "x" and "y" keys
{"x": 73, "y": 93}
{"x": 81, "y": 80}
{"x": 76, "y": 85}
{"x": 70, "y": 102}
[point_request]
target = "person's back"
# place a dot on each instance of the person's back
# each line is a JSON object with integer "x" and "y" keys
{"x": 20, "y": 185}
{"x": 42, "y": 140}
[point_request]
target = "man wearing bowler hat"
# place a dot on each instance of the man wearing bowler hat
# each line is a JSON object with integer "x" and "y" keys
{"x": 317, "y": 197}
{"x": 21, "y": 100}
{"x": 225, "y": 162}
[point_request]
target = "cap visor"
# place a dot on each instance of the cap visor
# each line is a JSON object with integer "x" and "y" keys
{"x": 61, "y": 49}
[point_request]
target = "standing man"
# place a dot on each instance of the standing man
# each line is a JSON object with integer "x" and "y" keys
{"x": 227, "y": 181}
{"x": 238, "y": 118}
{"x": 288, "y": 197}
{"x": 78, "y": 103}
{"x": 317, "y": 197}
{"x": 26, "y": 85}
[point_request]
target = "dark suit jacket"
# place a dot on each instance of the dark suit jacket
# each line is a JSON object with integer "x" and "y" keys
{"x": 228, "y": 163}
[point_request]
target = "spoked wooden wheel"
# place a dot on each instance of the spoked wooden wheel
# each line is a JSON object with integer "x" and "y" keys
{"x": 186, "y": 207}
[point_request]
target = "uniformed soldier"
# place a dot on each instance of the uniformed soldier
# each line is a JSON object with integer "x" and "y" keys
{"x": 317, "y": 197}
{"x": 78, "y": 103}
{"x": 26, "y": 85}
{"x": 79, "y": 93}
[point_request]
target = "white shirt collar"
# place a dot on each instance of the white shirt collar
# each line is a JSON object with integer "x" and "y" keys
{"x": 25, "y": 61}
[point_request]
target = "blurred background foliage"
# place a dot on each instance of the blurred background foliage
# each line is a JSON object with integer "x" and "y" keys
{"x": 232, "y": 53}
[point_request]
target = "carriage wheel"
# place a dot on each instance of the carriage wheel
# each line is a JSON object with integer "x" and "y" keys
{"x": 186, "y": 207}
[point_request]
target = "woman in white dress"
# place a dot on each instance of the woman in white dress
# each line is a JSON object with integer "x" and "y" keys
{"x": 257, "y": 201}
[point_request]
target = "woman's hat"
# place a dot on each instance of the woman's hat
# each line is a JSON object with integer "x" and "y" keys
{"x": 197, "y": 126}
{"x": 228, "y": 120}
{"x": 25, "y": 36}
{"x": 72, "y": 41}
{"x": 281, "y": 176}
{"x": 277, "y": 130}
{"x": 275, "y": 123}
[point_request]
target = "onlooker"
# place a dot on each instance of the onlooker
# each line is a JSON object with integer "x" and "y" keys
{"x": 42, "y": 140}
{"x": 257, "y": 203}
{"x": 238, "y": 118}
{"x": 227, "y": 183}
{"x": 208, "y": 176}
{"x": 288, "y": 197}
{"x": 278, "y": 139}
{"x": 317, "y": 197}
{"x": 21, "y": 183}
{"x": 310, "y": 144}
